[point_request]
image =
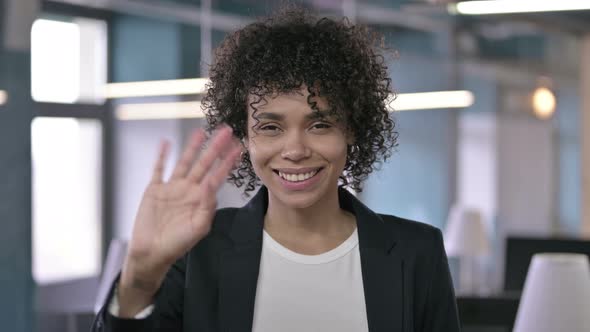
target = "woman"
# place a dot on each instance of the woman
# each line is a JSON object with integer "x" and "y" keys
{"x": 300, "y": 105}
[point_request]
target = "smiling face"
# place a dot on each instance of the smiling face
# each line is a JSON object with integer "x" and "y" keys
{"x": 297, "y": 155}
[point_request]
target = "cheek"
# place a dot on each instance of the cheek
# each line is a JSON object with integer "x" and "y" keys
{"x": 335, "y": 148}
{"x": 342, "y": 155}
{"x": 260, "y": 152}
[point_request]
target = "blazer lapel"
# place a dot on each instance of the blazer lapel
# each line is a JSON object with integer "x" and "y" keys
{"x": 382, "y": 268}
{"x": 239, "y": 267}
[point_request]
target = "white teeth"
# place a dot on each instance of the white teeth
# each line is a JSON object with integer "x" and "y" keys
{"x": 297, "y": 177}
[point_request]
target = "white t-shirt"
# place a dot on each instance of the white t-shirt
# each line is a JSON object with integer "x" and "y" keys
{"x": 309, "y": 293}
{"x": 298, "y": 292}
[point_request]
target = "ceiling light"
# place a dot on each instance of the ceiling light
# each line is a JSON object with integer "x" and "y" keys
{"x": 193, "y": 86}
{"x": 489, "y": 7}
{"x": 543, "y": 103}
{"x": 432, "y": 100}
{"x": 159, "y": 111}
{"x": 192, "y": 109}
{"x": 187, "y": 86}
{"x": 3, "y": 97}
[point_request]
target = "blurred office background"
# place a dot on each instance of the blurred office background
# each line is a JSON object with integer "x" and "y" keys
{"x": 76, "y": 148}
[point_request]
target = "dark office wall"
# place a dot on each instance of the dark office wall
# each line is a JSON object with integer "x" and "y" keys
{"x": 16, "y": 285}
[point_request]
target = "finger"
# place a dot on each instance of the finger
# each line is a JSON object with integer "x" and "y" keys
{"x": 220, "y": 143}
{"x": 218, "y": 176}
{"x": 195, "y": 142}
{"x": 159, "y": 166}
{"x": 206, "y": 191}
{"x": 207, "y": 196}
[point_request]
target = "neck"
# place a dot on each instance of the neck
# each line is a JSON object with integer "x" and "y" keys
{"x": 324, "y": 219}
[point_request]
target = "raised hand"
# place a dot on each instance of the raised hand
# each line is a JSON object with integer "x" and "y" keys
{"x": 174, "y": 215}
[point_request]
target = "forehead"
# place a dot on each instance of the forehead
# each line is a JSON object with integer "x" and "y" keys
{"x": 286, "y": 102}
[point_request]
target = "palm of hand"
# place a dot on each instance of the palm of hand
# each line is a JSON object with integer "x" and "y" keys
{"x": 173, "y": 216}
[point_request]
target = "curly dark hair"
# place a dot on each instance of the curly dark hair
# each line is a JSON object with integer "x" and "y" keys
{"x": 336, "y": 59}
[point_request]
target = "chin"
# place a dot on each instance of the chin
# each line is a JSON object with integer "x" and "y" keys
{"x": 300, "y": 200}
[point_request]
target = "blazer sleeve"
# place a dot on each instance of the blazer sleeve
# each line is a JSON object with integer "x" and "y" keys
{"x": 441, "y": 313}
{"x": 167, "y": 313}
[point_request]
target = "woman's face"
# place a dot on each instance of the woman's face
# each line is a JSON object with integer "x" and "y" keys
{"x": 297, "y": 155}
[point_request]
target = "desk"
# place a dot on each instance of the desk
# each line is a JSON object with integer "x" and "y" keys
{"x": 479, "y": 313}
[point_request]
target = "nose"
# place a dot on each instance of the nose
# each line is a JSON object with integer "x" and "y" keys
{"x": 295, "y": 147}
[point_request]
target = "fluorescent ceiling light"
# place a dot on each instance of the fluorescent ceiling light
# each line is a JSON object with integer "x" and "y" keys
{"x": 192, "y": 109}
{"x": 3, "y": 97}
{"x": 187, "y": 86}
{"x": 159, "y": 111}
{"x": 404, "y": 102}
{"x": 516, "y": 6}
{"x": 432, "y": 100}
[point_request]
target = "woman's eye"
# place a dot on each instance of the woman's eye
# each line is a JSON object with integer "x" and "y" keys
{"x": 269, "y": 128}
{"x": 321, "y": 126}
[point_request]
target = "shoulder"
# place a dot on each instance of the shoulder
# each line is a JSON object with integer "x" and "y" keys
{"x": 219, "y": 234}
{"x": 414, "y": 236}
{"x": 410, "y": 228}
{"x": 204, "y": 252}
{"x": 221, "y": 227}
{"x": 223, "y": 220}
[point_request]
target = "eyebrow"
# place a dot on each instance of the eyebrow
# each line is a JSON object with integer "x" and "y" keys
{"x": 318, "y": 115}
{"x": 269, "y": 116}
{"x": 279, "y": 117}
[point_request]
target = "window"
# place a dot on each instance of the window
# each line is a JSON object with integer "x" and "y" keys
{"x": 68, "y": 60}
{"x": 68, "y": 77}
{"x": 67, "y": 193}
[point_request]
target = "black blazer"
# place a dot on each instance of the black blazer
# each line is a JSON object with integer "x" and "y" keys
{"x": 406, "y": 278}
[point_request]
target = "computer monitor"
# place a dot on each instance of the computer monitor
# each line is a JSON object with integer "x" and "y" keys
{"x": 520, "y": 250}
